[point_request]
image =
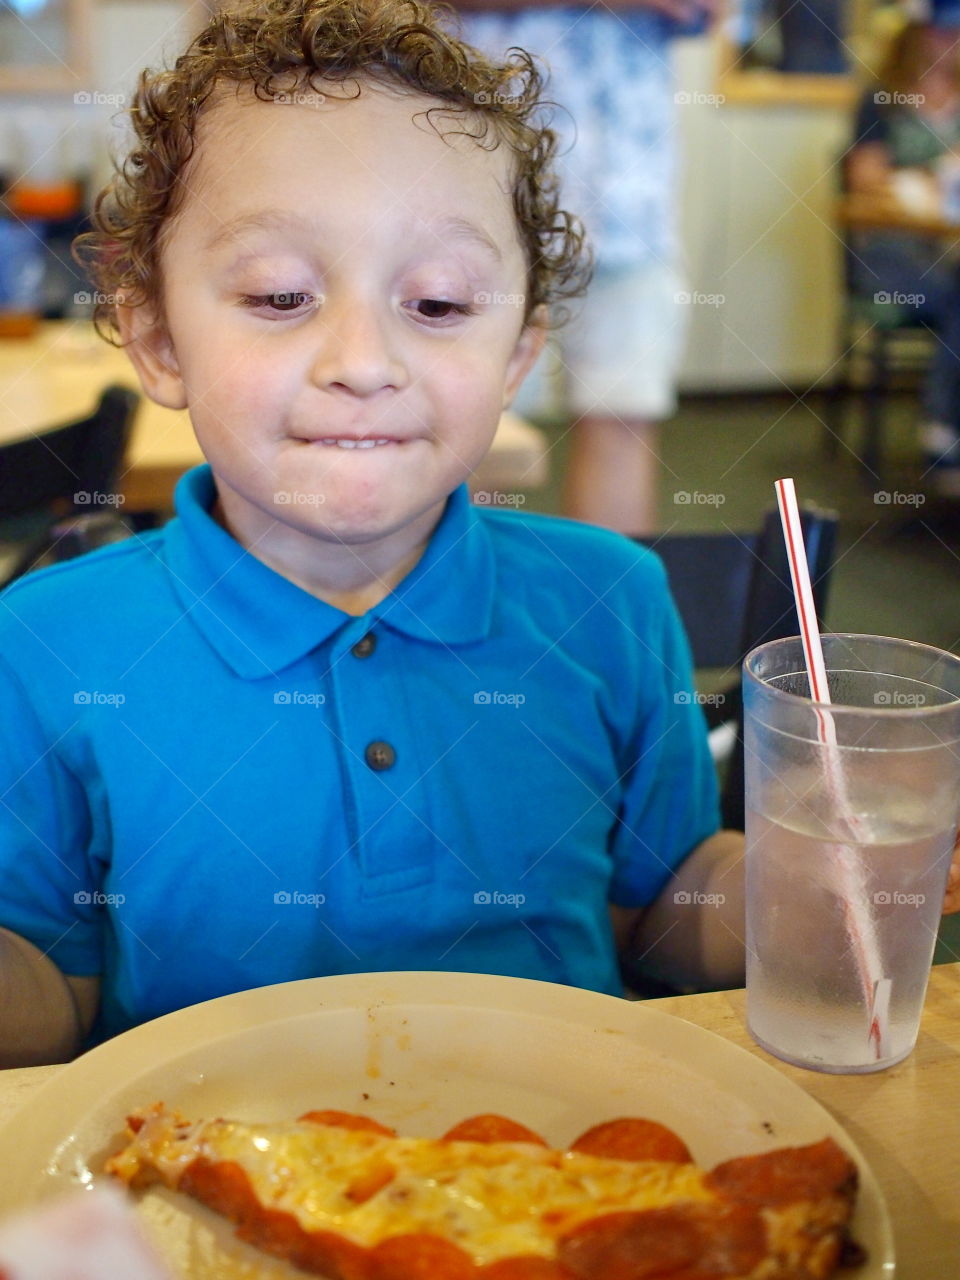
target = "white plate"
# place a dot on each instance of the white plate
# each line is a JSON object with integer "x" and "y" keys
{"x": 418, "y": 1051}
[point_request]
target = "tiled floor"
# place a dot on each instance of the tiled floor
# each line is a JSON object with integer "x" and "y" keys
{"x": 898, "y": 565}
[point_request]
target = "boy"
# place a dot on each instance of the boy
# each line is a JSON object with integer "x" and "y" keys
{"x": 332, "y": 717}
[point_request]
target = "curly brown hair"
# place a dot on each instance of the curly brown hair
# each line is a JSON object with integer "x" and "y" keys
{"x": 278, "y": 45}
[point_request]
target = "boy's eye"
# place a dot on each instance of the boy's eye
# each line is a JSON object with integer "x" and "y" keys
{"x": 283, "y": 302}
{"x": 437, "y": 309}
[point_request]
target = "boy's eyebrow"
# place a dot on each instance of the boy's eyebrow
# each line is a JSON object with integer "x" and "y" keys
{"x": 280, "y": 220}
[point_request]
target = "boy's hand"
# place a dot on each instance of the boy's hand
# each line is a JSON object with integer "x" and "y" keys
{"x": 951, "y": 900}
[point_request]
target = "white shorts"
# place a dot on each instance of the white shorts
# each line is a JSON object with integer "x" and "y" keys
{"x": 620, "y": 353}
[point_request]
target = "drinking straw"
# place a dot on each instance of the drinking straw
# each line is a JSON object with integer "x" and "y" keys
{"x": 859, "y": 919}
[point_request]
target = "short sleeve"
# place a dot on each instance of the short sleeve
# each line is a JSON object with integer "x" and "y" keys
{"x": 872, "y": 122}
{"x": 671, "y": 801}
{"x": 48, "y": 892}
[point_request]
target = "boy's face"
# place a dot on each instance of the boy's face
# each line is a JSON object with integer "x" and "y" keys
{"x": 343, "y": 290}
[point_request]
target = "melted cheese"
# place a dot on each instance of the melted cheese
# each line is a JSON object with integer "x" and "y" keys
{"x": 495, "y": 1200}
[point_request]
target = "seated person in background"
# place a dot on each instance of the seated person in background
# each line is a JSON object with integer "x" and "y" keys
{"x": 906, "y": 125}
{"x": 333, "y": 718}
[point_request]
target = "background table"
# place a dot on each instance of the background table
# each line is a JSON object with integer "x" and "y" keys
{"x": 58, "y": 375}
{"x": 878, "y": 213}
{"x": 906, "y": 1120}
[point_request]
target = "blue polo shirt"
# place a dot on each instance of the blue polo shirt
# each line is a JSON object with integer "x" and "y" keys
{"x": 211, "y": 780}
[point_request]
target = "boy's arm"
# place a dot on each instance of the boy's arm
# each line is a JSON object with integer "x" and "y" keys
{"x": 44, "y": 1015}
{"x": 692, "y": 935}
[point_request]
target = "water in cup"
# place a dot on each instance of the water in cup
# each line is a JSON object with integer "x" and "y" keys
{"x": 806, "y": 1001}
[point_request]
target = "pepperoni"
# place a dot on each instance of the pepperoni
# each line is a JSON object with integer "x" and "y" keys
{"x": 528, "y": 1268}
{"x": 347, "y": 1120}
{"x": 632, "y": 1139}
{"x": 225, "y": 1187}
{"x": 684, "y": 1240}
{"x": 491, "y": 1128}
{"x": 372, "y": 1180}
{"x": 786, "y": 1176}
{"x": 420, "y": 1257}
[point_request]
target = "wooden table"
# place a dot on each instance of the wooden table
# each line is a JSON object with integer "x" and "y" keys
{"x": 905, "y": 1120}
{"x": 884, "y": 213}
{"x": 57, "y": 375}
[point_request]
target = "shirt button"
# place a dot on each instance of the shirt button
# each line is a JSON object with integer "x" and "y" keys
{"x": 364, "y": 647}
{"x": 380, "y": 756}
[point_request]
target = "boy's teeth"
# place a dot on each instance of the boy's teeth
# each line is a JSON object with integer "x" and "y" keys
{"x": 354, "y": 444}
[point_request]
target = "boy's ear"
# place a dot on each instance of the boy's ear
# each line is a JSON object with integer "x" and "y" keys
{"x": 147, "y": 343}
{"x": 525, "y": 353}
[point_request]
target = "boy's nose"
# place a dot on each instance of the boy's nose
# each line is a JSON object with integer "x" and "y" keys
{"x": 356, "y": 350}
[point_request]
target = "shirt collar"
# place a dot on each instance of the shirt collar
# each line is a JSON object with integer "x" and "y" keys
{"x": 260, "y": 622}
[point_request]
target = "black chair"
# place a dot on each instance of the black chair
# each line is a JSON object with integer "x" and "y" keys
{"x": 69, "y": 471}
{"x": 733, "y": 592}
{"x": 888, "y": 343}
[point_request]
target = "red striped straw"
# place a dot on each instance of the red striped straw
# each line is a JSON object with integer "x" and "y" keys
{"x": 858, "y": 917}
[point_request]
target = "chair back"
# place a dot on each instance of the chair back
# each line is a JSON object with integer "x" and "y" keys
{"x": 69, "y": 463}
{"x": 733, "y": 592}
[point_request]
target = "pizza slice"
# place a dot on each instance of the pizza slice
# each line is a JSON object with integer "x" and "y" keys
{"x": 343, "y": 1197}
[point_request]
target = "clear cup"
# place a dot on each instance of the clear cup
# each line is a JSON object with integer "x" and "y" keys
{"x": 848, "y": 845}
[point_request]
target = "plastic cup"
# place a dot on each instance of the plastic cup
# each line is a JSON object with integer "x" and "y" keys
{"x": 833, "y": 871}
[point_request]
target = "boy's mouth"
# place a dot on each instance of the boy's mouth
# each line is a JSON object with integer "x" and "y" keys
{"x": 348, "y": 442}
